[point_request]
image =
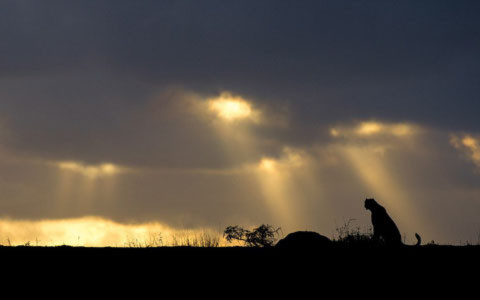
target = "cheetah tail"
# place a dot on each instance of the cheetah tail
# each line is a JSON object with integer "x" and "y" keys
{"x": 419, "y": 239}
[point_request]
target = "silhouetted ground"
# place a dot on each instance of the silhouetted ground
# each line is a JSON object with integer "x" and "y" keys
{"x": 341, "y": 269}
{"x": 244, "y": 258}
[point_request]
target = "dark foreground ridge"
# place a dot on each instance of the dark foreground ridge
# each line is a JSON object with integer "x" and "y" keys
{"x": 333, "y": 256}
{"x": 339, "y": 268}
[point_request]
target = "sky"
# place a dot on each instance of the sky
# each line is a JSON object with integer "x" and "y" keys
{"x": 121, "y": 120}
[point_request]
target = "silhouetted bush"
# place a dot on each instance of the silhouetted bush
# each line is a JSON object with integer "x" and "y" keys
{"x": 263, "y": 236}
{"x": 353, "y": 235}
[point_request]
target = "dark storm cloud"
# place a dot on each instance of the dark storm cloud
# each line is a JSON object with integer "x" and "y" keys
{"x": 100, "y": 117}
{"x": 329, "y": 59}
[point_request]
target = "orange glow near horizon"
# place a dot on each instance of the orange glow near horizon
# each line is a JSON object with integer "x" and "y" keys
{"x": 99, "y": 232}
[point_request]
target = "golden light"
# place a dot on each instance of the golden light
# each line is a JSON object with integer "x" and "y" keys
{"x": 283, "y": 181}
{"x": 470, "y": 142}
{"x": 364, "y": 146}
{"x": 370, "y": 129}
{"x": 267, "y": 164}
{"x": 469, "y": 145}
{"x": 383, "y": 185}
{"x": 334, "y": 132}
{"x": 231, "y": 108}
{"x": 402, "y": 129}
{"x": 91, "y": 171}
{"x": 98, "y": 232}
{"x": 276, "y": 191}
{"x": 80, "y": 184}
{"x": 287, "y": 187}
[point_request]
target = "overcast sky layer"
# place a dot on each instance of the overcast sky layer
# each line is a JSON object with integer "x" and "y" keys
{"x": 106, "y": 110}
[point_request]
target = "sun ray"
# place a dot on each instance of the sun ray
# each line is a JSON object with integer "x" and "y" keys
{"x": 80, "y": 184}
{"x": 288, "y": 187}
{"x": 370, "y": 167}
{"x": 284, "y": 181}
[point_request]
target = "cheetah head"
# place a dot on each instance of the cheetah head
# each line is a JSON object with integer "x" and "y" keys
{"x": 370, "y": 203}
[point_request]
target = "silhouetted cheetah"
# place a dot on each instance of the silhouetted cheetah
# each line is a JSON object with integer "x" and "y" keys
{"x": 383, "y": 226}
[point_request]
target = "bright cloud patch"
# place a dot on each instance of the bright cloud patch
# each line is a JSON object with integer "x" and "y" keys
{"x": 374, "y": 129}
{"x": 469, "y": 145}
{"x": 232, "y": 108}
{"x": 92, "y": 171}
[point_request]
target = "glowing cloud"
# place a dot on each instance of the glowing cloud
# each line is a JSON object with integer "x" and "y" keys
{"x": 469, "y": 145}
{"x": 374, "y": 129}
{"x": 232, "y": 108}
{"x": 91, "y": 171}
{"x": 369, "y": 128}
{"x": 267, "y": 164}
